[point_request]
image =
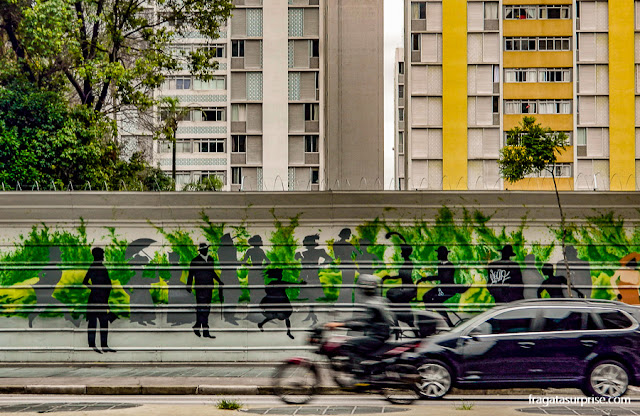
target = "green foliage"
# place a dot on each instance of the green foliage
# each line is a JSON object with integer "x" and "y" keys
{"x": 43, "y": 142}
{"x": 228, "y": 404}
{"x": 241, "y": 237}
{"x": 210, "y": 183}
{"x": 530, "y": 149}
{"x": 283, "y": 251}
{"x": 465, "y": 406}
{"x": 96, "y": 49}
{"x": 182, "y": 244}
{"x": 115, "y": 260}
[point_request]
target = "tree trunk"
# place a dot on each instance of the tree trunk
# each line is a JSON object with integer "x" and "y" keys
{"x": 563, "y": 229}
{"x": 173, "y": 160}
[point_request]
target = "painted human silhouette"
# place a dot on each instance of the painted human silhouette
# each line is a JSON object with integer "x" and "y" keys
{"x": 504, "y": 278}
{"x": 531, "y": 278}
{"x": 276, "y": 304}
{"x": 202, "y": 274}
{"x": 180, "y": 303}
{"x": 401, "y": 296}
{"x": 555, "y": 285}
{"x": 581, "y": 284}
{"x": 141, "y": 310}
{"x": 311, "y": 260}
{"x": 99, "y": 284}
{"x": 46, "y": 286}
{"x": 257, "y": 260}
{"x": 343, "y": 250}
{"x": 626, "y": 279}
{"x": 228, "y": 258}
{"x": 446, "y": 288}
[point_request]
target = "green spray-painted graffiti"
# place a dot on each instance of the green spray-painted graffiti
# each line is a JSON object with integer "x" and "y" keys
{"x": 457, "y": 262}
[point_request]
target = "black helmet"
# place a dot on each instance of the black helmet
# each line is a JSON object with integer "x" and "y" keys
{"x": 368, "y": 284}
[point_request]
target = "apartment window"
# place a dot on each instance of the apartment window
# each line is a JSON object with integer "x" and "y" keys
{"x": 401, "y": 142}
{"x": 554, "y": 107}
{"x": 220, "y": 174}
{"x": 239, "y": 144}
{"x": 519, "y": 44}
{"x": 177, "y": 83}
{"x": 554, "y": 75}
{"x": 554, "y": 12}
{"x": 520, "y": 107}
{"x": 237, "y": 48}
{"x": 560, "y": 170}
{"x": 400, "y": 92}
{"x": 567, "y": 142}
{"x": 315, "y": 48}
{"x": 401, "y": 114}
{"x": 236, "y": 175}
{"x": 311, "y": 144}
{"x": 209, "y": 114}
{"x": 182, "y": 146}
{"x": 315, "y": 175}
{"x": 520, "y": 75}
{"x": 496, "y": 73}
{"x": 537, "y": 12}
{"x": 311, "y": 112}
{"x": 582, "y": 137}
{"x": 181, "y": 115}
{"x": 519, "y": 12}
{"x": 496, "y": 104}
{"x": 554, "y": 44}
{"x": 418, "y": 11}
{"x": 217, "y": 83}
{"x": 401, "y": 68}
{"x": 491, "y": 10}
{"x": 210, "y": 145}
{"x": 218, "y": 51}
{"x": 415, "y": 41}
{"x": 537, "y": 106}
{"x": 238, "y": 112}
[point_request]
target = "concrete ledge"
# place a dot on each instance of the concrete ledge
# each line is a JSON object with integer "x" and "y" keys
{"x": 113, "y": 390}
{"x": 167, "y": 390}
{"x": 227, "y": 389}
{"x": 56, "y": 389}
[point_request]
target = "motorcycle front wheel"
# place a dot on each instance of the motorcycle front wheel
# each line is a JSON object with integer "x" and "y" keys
{"x": 295, "y": 382}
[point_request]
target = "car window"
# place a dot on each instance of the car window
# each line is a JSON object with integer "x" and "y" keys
{"x": 562, "y": 319}
{"x": 614, "y": 320}
{"x": 511, "y": 322}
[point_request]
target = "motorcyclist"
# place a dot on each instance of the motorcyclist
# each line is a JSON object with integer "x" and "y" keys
{"x": 375, "y": 319}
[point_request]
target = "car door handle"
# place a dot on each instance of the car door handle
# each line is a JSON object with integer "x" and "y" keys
{"x": 589, "y": 342}
{"x": 526, "y": 344}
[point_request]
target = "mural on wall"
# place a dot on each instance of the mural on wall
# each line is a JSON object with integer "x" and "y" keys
{"x": 244, "y": 277}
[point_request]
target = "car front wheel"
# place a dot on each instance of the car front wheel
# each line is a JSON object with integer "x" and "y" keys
{"x": 607, "y": 379}
{"x": 435, "y": 379}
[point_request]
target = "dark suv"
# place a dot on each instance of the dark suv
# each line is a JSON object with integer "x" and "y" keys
{"x": 590, "y": 344}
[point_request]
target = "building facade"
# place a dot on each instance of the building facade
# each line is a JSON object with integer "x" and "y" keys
{"x": 474, "y": 69}
{"x": 285, "y": 106}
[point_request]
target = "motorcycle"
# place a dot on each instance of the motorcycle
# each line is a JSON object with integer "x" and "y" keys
{"x": 296, "y": 379}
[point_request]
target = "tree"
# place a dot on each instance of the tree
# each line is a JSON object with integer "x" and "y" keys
{"x": 210, "y": 183}
{"x": 532, "y": 149}
{"x": 109, "y": 54}
{"x": 170, "y": 115}
{"x": 43, "y": 142}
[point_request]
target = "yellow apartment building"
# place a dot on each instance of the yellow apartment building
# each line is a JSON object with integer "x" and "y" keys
{"x": 474, "y": 69}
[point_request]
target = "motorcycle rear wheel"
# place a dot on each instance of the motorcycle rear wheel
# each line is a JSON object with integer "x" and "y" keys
{"x": 401, "y": 394}
{"x": 295, "y": 383}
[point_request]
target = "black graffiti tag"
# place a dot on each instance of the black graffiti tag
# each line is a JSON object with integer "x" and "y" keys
{"x": 499, "y": 277}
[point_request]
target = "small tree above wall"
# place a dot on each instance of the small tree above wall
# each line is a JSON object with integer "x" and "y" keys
{"x": 532, "y": 149}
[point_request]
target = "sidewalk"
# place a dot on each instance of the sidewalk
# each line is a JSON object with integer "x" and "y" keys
{"x": 173, "y": 379}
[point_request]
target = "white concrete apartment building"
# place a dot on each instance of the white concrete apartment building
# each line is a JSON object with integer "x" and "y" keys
{"x": 474, "y": 69}
{"x": 296, "y": 103}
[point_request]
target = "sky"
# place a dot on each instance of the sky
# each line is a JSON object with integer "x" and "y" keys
{"x": 393, "y": 33}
